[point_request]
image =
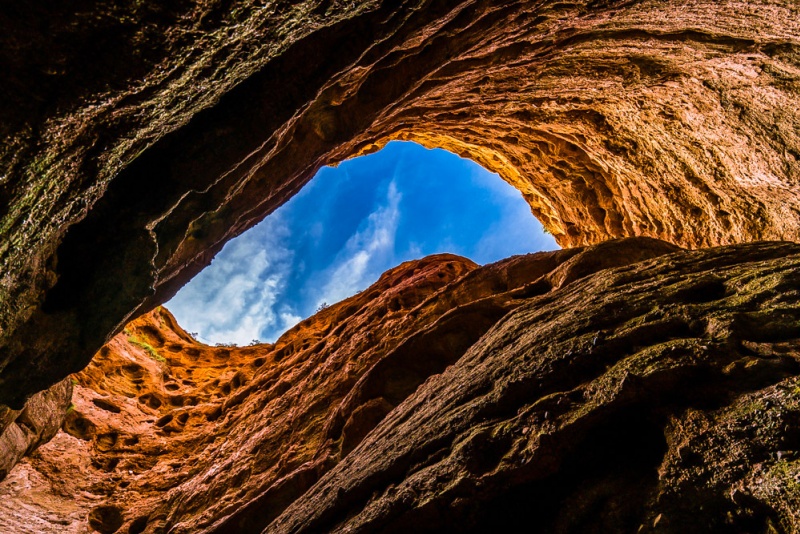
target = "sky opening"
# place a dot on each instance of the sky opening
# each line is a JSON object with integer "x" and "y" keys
{"x": 344, "y": 229}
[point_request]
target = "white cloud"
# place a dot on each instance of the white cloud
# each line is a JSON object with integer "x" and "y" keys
{"x": 289, "y": 318}
{"x": 414, "y": 250}
{"x": 365, "y": 254}
{"x": 239, "y": 297}
{"x": 234, "y": 299}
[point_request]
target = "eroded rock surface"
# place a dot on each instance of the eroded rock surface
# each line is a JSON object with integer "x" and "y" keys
{"x": 661, "y": 397}
{"x": 27, "y": 429}
{"x": 139, "y": 137}
{"x": 631, "y": 385}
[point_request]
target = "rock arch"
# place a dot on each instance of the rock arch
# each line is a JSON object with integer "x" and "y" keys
{"x": 123, "y": 176}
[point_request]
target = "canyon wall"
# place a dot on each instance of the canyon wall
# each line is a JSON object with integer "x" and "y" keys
{"x": 660, "y": 397}
{"x": 139, "y": 137}
{"x": 627, "y": 387}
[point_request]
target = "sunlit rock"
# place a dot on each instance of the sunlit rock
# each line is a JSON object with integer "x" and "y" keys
{"x": 124, "y": 173}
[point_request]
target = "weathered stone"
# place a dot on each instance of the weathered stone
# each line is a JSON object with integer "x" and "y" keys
{"x": 154, "y": 404}
{"x": 660, "y": 397}
{"x": 547, "y": 389}
{"x": 140, "y": 136}
{"x": 34, "y": 425}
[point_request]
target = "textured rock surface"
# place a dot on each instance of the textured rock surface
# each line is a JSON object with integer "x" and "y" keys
{"x": 35, "y": 424}
{"x": 661, "y": 397}
{"x": 577, "y": 391}
{"x": 267, "y": 421}
{"x": 138, "y": 137}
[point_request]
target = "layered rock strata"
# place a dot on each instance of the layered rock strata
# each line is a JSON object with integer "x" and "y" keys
{"x": 661, "y": 397}
{"x": 139, "y": 137}
{"x": 626, "y": 387}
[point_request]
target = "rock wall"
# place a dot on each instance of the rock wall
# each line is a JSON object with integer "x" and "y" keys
{"x": 661, "y": 397}
{"x": 25, "y": 430}
{"x": 627, "y": 387}
{"x": 139, "y": 137}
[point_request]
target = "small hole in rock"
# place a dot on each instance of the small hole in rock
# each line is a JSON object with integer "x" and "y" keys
{"x": 151, "y": 401}
{"x": 138, "y": 525}
{"x": 164, "y": 421}
{"x": 79, "y": 427}
{"x": 106, "y": 442}
{"x": 105, "y": 405}
{"x": 105, "y": 519}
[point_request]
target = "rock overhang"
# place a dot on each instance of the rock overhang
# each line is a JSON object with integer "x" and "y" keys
{"x": 123, "y": 176}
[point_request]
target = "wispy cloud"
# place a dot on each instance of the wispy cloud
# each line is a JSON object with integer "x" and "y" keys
{"x": 365, "y": 254}
{"x": 235, "y": 299}
{"x": 344, "y": 229}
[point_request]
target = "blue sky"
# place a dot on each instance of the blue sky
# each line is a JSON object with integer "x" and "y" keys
{"x": 344, "y": 229}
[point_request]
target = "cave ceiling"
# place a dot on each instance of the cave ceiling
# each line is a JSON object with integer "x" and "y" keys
{"x": 645, "y": 376}
{"x": 139, "y": 137}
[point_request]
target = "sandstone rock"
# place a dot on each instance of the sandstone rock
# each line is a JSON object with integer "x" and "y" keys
{"x": 659, "y": 397}
{"x": 159, "y": 416}
{"x": 596, "y": 400}
{"x": 34, "y": 425}
{"x": 547, "y": 388}
{"x": 123, "y": 175}
{"x": 164, "y": 416}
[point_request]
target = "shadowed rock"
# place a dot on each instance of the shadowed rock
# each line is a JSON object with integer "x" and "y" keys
{"x": 659, "y": 397}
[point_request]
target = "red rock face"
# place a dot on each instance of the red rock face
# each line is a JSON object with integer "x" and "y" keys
{"x": 567, "y": 389}
{"x": 171, "y": 432}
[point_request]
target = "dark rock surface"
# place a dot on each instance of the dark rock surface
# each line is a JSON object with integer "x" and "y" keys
{"x": 138, "y": 137}
{"x": 659, "y": 397}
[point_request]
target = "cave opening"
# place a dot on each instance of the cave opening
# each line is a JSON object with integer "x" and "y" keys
{"x": 140, "y": 137}
{"x": 153, "y": 399}
{"x": 346, "y": 227}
